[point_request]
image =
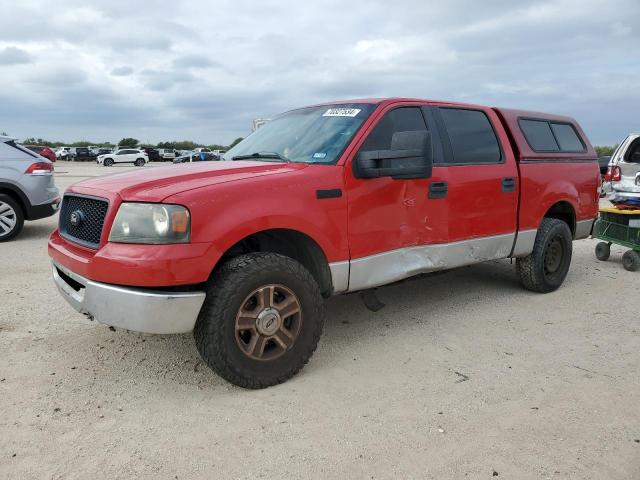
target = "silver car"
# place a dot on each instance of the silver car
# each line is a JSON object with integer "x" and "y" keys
{"x": 27, "y": 189}
{"x": 623, "y": 175}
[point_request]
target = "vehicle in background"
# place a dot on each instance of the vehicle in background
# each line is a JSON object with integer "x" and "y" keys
{"x": 219, "y": 153}
{"x": 323, "y": 200}
{"x": 167, "y": 153}
{"x": 27, "y": 189}
{"x": 43, "y": 151}
{"x": 83, "y": 154}
{"x": 603, "y": 162}
{"x": 103, "y": 151}
{"x": 202, "y": 149}
{"x": 196, "y": 157}
{"x": 153, "y": 154}
{"x": 63, "y": 153}
{"x": 126, "y": 155}
{"x": 623, "y": 173}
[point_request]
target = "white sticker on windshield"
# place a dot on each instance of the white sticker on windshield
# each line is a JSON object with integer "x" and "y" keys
{"x": 341, "y": 112}
{"x": 319, "y": 155}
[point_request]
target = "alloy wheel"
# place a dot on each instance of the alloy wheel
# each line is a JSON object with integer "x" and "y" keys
{"x": 268, "y": 322}
{"x": 8, "y": 219}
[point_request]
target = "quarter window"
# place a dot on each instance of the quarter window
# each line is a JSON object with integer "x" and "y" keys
{"x": 471, "y": 136}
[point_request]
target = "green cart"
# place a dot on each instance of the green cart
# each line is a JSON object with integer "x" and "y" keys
{"x": 621, "y": 227}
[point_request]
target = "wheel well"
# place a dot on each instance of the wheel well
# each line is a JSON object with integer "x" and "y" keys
{"x": 16, "y": 197}
{"x": 565, "y": 212}
{"x": 290, "y": 243}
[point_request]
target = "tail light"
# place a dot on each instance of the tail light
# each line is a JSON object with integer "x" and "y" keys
{"x": 39, "y": 168}
{"x": 613, "y": 174}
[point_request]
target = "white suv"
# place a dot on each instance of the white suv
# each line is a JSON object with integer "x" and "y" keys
{"x": 127, "y": 155}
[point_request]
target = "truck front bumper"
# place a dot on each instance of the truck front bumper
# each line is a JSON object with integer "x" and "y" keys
{"x": 137, "y": 309}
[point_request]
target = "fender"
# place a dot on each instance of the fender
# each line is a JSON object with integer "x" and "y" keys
{"x": 25, "y": 203}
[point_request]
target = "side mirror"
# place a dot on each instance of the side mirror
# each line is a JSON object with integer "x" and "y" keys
{"x": 410, "y": 157}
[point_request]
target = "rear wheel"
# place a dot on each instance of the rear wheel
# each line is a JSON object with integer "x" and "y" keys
{"x": 11, "y": 218}
{"x": 139, "y": 162}
{"x": 261, "y": 320}
{"x": 603, "y": 251}
{"x": 547, "y": 266}
{"x": 108, "y": 162}
{"x": 631, "y": 260}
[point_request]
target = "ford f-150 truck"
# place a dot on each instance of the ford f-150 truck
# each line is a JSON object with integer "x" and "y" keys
{"x": 323, "y": 200}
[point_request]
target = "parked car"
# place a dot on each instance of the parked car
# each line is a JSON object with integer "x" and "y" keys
{"x": 43, "y": 151}
{"x": 127, "y": 155}
{"x": 27, "y": 189}
{"x": 623, "y": 173}
{"x": 63, "y": 153}
{"x": 196, "y": 157}
{"x": 103, "y": 151}
{"x": 323, "y": 200}
{"x": 167, "y": 153}
{"x": 83, "y": 154}
{"x": 153, "y": 154}
{"x": 202, "y": 149}
{"x": 603, "y": 163}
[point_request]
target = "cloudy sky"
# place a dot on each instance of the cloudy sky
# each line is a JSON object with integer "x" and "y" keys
{"x": 202, "y": 70}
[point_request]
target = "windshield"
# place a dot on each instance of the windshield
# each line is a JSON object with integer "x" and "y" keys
{"x": 308, "y": 135}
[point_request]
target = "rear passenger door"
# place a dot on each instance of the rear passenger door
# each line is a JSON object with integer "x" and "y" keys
{"x": 482, "y": 182}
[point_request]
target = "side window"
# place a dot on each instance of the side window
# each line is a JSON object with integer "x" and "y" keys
{"x": 546, "y": 136}
{"x": 539, "y": 135}
{"x": 471, "y": 135}
{"x": 400, "y": 129}
{"x": 567, "y": 137}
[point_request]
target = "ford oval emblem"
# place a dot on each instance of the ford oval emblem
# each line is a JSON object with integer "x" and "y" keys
{"x": 76, "y": 218}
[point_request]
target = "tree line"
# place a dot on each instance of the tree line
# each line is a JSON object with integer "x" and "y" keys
{"x": 129, "y": 142}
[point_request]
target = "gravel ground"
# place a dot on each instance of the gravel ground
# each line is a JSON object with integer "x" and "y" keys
{"x": 462, "y": 375}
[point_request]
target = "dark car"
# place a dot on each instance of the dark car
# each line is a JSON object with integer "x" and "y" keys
{"x": 603, "y": 162}
{"x": 84, "y": 154}
{"x": 43, "y": 151}
{"x": 153, "y": 154}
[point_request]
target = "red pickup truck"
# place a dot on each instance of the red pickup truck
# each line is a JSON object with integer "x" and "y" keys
{"x": 323, "y": 200}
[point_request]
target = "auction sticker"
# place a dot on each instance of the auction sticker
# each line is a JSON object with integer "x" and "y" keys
{"x": 342, "y": 112}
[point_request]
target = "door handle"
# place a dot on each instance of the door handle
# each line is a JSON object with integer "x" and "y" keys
{"x": 508, "y": 184}
{"x": 438, "y": 190}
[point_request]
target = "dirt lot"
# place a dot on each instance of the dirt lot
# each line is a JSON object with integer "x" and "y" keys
{"x": 462, "y": 375}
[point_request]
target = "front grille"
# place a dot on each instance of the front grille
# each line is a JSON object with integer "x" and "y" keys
{"x": 90, "y": 211}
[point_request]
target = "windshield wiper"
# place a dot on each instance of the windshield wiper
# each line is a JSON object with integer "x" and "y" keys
{"x": 258, "y": 155}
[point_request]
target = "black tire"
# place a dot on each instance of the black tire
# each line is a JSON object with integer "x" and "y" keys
{"x": 107, "y": 162}
{"x": 215, "y": 331}
{"x": 547, "y": 266}
{"x": 11, "y": 218}
{"x": 139, "y": 162}
{"x": 631, "y": 260}
{"x": 603, "y": 251}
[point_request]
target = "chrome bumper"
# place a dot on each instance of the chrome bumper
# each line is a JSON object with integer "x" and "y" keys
{"x": 137, "y": 309}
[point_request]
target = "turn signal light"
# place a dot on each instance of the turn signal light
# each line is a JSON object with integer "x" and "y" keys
{"x": 39, "y": 168}
{"x": 179, "y": 222}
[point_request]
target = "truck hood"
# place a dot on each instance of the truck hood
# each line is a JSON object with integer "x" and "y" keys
{"x": 154, "y": 184}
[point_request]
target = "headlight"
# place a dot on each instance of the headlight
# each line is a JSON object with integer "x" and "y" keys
{"x": 152, "y": 223}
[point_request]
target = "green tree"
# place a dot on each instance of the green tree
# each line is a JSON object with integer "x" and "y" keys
{"x": 235, "y": 142}
{"x": 605, "y": 151}
{"x": 128, "y": 142}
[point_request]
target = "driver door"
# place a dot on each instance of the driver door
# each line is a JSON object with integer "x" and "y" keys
{"x": 387, "y": 216}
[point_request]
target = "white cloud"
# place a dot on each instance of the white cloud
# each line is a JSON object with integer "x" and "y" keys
{"x": 203, "y": 70}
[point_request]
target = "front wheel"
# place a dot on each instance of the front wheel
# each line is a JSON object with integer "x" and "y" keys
{"x": 547, "y": 266}
{"x": 261, "y": 320}
{"x": 108, "y": 162}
